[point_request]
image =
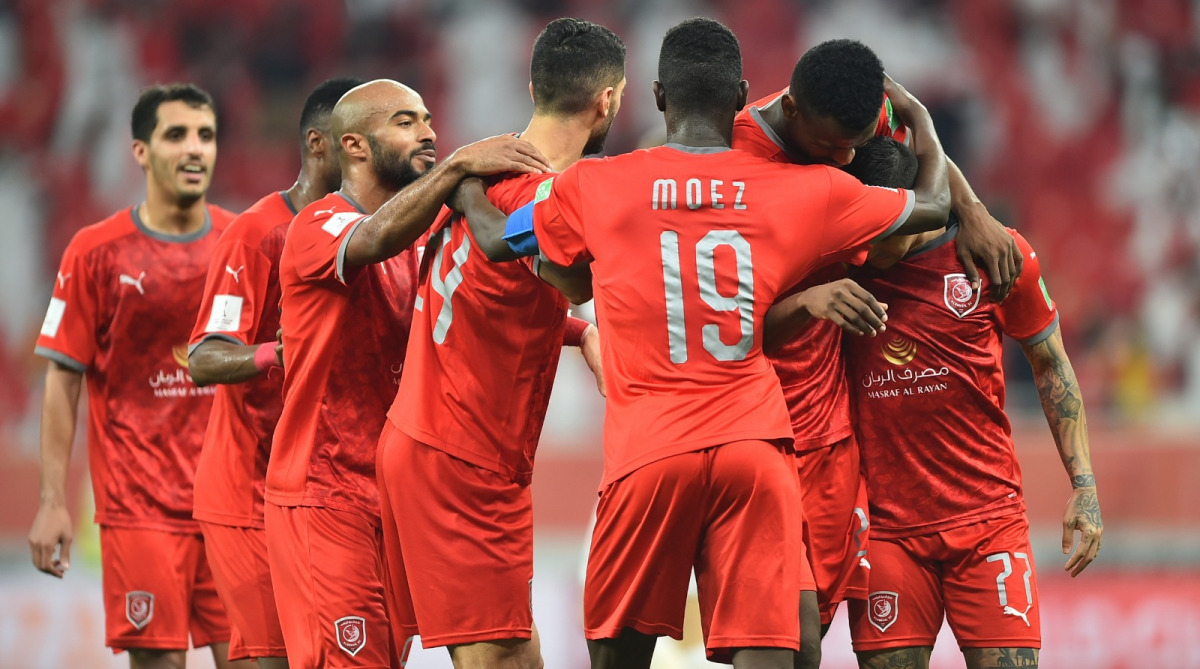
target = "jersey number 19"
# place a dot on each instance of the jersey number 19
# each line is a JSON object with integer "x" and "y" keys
{"x": 742, "y": 302}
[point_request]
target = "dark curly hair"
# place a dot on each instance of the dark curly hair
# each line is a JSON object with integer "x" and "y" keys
{"x": 841, "y": 78}
{"x": 700, "y": 65}
{"x": 883, "y": 161}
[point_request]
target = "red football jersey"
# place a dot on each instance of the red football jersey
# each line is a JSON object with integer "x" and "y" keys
{"x": 241, "y": 305}
{"x": 484, "y": 347}
{"x": 929, "y": 392}
{"x": 124, "y": 302}
{"x": 689, "y": 247}
{"x": 809, "y": 366}
{"x": 344, "y": 335}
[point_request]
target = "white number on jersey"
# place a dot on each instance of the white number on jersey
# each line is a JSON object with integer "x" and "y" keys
{"x": 446, "y": 287}
{"x": 741, "y": 302}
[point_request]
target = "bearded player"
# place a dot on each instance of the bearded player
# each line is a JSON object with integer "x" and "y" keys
{"x": 949, "y": 532}
{"x": 687, "y": 250}
{"x": 830, "y": 107}
{"x": 348, "y": 275}
{"x": 233, "y": 344}
{"x": 456, "y": 456}
{"x": 126, "y": 294}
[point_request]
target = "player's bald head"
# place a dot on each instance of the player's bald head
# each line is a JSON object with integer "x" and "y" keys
{"x": 364, "y": 108}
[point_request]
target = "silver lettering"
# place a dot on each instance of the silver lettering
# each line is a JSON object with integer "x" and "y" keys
{"x": 665, "y": 194}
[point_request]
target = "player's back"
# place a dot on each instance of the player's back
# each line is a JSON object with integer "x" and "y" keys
{"x": 484, "y": 347}
{"x": 689, "y": 248}
{"x": 241, "y": 306}
{"x": 125, "y": 299}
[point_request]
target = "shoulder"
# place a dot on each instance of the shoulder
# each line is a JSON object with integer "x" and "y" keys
{"x": 259, "y": 220}
{"x": 220, "y": 216}
{"x": 514, "y": 190}
{"x": 118, "y": 225}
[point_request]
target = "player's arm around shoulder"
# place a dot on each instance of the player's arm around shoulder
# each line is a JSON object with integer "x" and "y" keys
{"x": 1062, "y": 403}
{"x": 931, "y": 205}
{"x": 486, "y": 222}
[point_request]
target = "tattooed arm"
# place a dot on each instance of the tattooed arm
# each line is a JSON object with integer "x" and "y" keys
{"x": 1062, "y": 403}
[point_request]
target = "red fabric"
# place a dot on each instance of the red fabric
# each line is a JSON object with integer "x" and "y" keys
{"x": 756, "y": 229}
{"x": 929, "y": 393}
{"x": 958, "y": 573}
{"x": 327, "y": 572}
{"x": 122, "y": 310}
{"x": 242, "y": 575}
{"x": 344, "y": 335}
{"x": 454, "y": 533}
{"x": 241, "y": 303}
{"x": 729, "y": 511}
{"x": 158, "y": 591}
{"x": 836, "y": 526}
{"x": 481, "y": 362}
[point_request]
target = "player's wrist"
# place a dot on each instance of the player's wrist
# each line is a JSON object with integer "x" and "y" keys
{"x": 264, "y": 357}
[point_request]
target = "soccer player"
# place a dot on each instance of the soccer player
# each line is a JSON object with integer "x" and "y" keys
{"x": 347, "y": 275}
{"x": 456, "y": 455}
{"x": 689, "y": 244}
{"x": 949, "y": 532}
{"x": 125, "y": 297}
{"x": 233, "y": 344}
{"x": 831, "y": 106}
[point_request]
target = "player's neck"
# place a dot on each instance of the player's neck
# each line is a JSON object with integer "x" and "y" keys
{"x": 772, "y": 115}
{"x": 561, "y": 140}
{"x": 169, "y": 216}
{"x": 699, "y": 131}
{"x": 306, "y": 190}
{"x": 366, "y": 190}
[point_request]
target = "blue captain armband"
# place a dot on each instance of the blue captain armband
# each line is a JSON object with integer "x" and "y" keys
{"x": 518, "y": 232}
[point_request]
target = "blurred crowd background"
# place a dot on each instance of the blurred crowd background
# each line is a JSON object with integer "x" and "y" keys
{"x": 1076, "y": 121}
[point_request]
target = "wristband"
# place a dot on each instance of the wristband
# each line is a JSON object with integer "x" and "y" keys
{"x": 264, "y": 357}
{"x": 573, "y": 332}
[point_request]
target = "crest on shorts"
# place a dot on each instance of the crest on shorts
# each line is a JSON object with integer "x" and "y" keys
{"x": 351, "y": 633}
{"x": 959, "y": 296}
{"x": 882, "y": 607}
{"x": 139, "y": 608}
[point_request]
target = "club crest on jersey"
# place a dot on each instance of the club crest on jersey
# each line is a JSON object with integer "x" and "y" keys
{"x": 351, "y": 633}
{"x": 959, "y": 296}
{"x": 883, "y": 607}
{"x": 139, "y": 608}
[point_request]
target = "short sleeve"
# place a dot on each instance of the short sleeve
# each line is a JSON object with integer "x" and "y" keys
{"x": 858, "y": 216}
{"x": 320, "y": 243}
{"x": 233, "y": 293}
{"x": 888, "y": 125}
{"x": 68, "y": 334}
{"x": 1028, "y": 314}
{"x": 557, "y": 219}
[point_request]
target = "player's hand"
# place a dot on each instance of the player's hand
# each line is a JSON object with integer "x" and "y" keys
{"x": 590, "y": 346}
{"x": 906, "y": 107}
{"x": 848, "y": 305}
{"x": 983, "y": 242}
{"x": 279, "y": 347}
{"x": 502, "y": 153}
{"x": 1083, "y": 516}
{"x": 51, "y": 532}
{"x": 467, "y": 188}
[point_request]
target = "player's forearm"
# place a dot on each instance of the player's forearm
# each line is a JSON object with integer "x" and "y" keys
{"x": 1062, "y": 402}
{"x": 487, "y": 223}
{"x": 60, "y": 408}
{"x": 216, "y": 361}
{"x": 575, "y": 283}
{"x": 404, "y": 217}
{"x": 932, "y": 187}
{"x": 963, "y": 201}
{"x": 784, "y": 320}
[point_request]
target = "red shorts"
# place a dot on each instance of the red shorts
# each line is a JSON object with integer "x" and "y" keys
{"x": 238, "y": 557}
{"x": 459, "y": 543}
{"x": 327, "y": 572}
{"x": 980, "y": 576}
{"x": 729, "y": 511}
{"x": 158, "y": 589}
{"x": 835, "y": 522}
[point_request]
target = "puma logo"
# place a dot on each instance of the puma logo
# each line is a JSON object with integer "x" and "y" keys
{"x": 323, "y": 211}
{"x": 126, "y": 280}
{"x": 62, "y": 279}
{"x": 235, "y": 272}
{"x": 1010, "y": 611}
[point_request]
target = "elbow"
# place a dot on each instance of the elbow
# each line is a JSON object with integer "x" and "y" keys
{"x": 578, "y": 296}
{"x": 200, "y": 369}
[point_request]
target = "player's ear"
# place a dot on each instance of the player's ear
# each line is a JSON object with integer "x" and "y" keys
{"x": 604, "y": 101}
{"x": 660, "y": 96}
{"x": 315, "y": 142}
{"x": 141, "y": 153}
{"x": 743, "y": 94}
{"x": 788, "y": 104}
{"x": 355, "y": 145}
{"x": 531, "y": 94}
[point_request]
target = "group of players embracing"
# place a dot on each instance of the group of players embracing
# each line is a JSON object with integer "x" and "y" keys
{"x": 803, "y": 376}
